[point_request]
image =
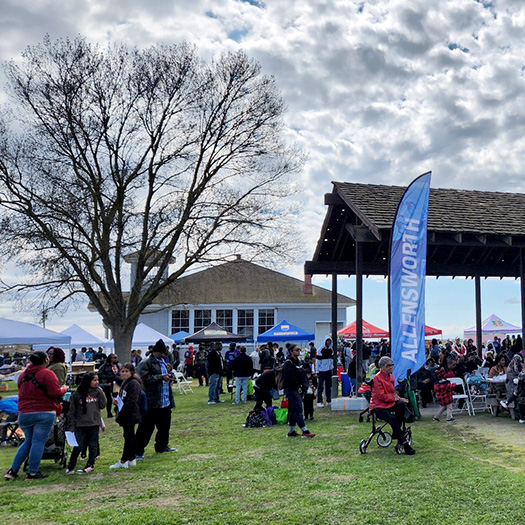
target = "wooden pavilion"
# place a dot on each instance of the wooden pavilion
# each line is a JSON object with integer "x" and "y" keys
{"x": 470, "y": 234}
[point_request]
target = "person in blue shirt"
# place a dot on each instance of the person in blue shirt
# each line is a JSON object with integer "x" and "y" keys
{"x": 8, "y": 406}
{"x": 157, "y": 385}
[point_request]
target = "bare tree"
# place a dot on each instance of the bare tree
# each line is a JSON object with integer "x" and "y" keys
{"x": 114, "y": 151}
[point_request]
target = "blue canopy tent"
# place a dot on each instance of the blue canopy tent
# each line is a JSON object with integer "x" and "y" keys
{"x": 179, "y": 336}
{"x": 284, "y": 331}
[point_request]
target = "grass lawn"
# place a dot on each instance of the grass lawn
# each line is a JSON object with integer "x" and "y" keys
{"x": 469, "y": 472}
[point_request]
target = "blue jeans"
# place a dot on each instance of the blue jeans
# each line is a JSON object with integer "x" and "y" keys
{"x": 325, "y": 381}
{"x": 213, "y": 391}
{"x": 241, "y": 382}
{"x": 36, "y": 427}
{"x": 295, "y": 409}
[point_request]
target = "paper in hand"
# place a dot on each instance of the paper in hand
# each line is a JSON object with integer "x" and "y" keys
{"x": 71, "y": 439}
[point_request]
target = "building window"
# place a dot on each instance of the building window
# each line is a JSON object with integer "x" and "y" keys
{"x": 180, "y": 320}
{"x": 202, "y": 319}
{"x": 266, "y": 319}
{"x": 245, "y": 323}
{"x": 224, "y": 318}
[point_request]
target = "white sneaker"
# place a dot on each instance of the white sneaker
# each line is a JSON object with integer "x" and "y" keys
{"x": 320, "y": 405}
{"x": 119, "y": 464}
{"x": 522, "y": 421}
{"x": 132, "y": 463}
{"x": 212, "y": 402}
{"x": 504, "y": 404}
{"x": 329, "y": 404}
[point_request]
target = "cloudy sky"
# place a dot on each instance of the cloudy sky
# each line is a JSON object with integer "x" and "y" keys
{"x": 377, "y": 91}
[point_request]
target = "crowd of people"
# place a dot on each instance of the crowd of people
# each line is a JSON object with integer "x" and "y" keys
{"x": 139, "y": 392}
{"x": 141, "y": 396}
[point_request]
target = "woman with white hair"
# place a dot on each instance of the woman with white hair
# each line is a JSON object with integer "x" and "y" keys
{"x": 387, "y": 405}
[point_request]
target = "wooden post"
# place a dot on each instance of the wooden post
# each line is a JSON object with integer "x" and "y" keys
{"x": 359, "y": 311}
{"x": 479, "y": 335}
{"x": 522, "y": 282}
{"x": 334, "y": 319}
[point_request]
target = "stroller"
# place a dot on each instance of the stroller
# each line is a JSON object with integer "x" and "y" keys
{"x": 366, "y": 391}
{"x": 10, "y": 432}
{"x": 14, "y": 437}
{"x": 55, "y": 447}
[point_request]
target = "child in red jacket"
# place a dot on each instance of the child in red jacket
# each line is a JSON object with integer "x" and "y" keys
{"x": 443, "y": 389}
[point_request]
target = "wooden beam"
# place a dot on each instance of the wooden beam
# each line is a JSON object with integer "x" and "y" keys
{"x": 361, "y": 233}
{"x": 482, "y": 238}
{"x": 333, "y": 199}
{"x": 450, "y": 269}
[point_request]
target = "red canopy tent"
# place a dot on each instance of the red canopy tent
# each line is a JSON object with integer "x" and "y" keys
{"x": 372, "y": 332}
{"x": 432, "y": 331}
{"x": 369, "y": 331}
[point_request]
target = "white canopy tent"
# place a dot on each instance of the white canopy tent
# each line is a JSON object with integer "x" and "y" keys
{"x": 18, "y": 333}
{"x": 145, "y": 336}
{"x": 81, "y": 337}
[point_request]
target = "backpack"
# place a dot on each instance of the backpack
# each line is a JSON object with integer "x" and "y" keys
{"x": 254, "y": 420}
{"x": 279, "y": 381}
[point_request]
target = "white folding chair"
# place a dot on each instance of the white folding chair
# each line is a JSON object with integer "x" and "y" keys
{"x": 183, "y": 384}
{"x": 478, "y": 399}
{"x": 458, "y": 397}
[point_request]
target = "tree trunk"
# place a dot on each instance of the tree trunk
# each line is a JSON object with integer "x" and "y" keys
{"x": 122, "y": 336}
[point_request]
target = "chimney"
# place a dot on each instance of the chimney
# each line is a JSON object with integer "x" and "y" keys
{"x": 238, "y": 257}
{"x": 308, "y": 288}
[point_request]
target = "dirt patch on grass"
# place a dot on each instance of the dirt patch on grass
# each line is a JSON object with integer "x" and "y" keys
{"x": 46, "y": 489}
{"x": 198, "y": 457}
{"x": 344, "y": 477}
{"x": 502, "y": 437}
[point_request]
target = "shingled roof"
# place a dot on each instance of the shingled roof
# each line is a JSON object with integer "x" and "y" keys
{"x": 470, "y": 233}
{"x": 243, "y": 282}
{"x": 450, "y": 210}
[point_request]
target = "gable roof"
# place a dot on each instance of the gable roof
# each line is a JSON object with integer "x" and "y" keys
{"x": 243, "y": 282}
{"x": 470, "y": 233}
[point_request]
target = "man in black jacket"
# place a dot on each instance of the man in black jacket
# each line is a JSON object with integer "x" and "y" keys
{"x": 294, "y": 379}
{"x": 215, "y": 371}
{"x": 157, "y": 385}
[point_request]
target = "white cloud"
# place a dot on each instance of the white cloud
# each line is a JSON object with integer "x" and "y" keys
{"x": 377, "y": 91}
